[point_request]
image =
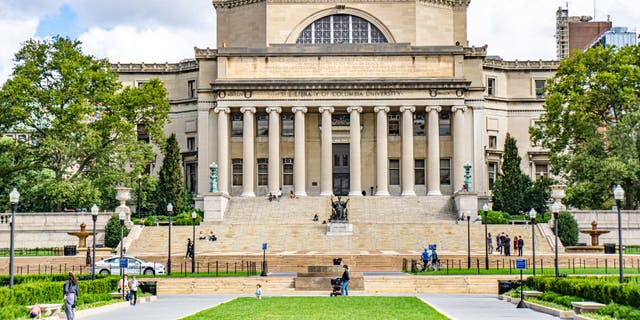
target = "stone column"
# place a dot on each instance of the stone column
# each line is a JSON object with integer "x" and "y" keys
{"x": 274, "y": 149}
{"x": 203, "y": 150}
{"x": 460, "y": 146}
{"x": 223, "y": 149}
{"x": 382, "y": 162}
{"x": 248, "y": 145}
{"x": 433, "y": 162}
{"x": 408, "y": 172}
{"x": 355, "y": 170}
{"x": 299, "y": 160}
{"x": 326, "y": 165}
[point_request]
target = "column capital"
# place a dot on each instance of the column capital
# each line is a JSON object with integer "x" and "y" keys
{"x": 407, "y": 108}
{"x": 329, "y": 109}
{"x": 273, "y": 109}
{"x": 433, "y": 108}
{"x": 354, "y": 108}
{"x": 248, "y": 109}
{"x": 222, "y": 109}
{"x": 384, "y": 109}
{"x": 299, "y": 109}
{"x": 462, "y": 108}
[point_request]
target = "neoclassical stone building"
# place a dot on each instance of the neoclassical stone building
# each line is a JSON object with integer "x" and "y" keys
{"x": 359, "y": 96}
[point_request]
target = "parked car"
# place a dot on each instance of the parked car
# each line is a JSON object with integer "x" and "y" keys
{"x": 136, "y": 266}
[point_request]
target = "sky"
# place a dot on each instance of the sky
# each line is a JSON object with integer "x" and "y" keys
{"x": 168, "y": 30}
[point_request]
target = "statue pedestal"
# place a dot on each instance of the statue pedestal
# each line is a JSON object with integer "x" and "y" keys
{"x": 215, "y": 204}
{"x": 466, "y": 202}
{"x": 339, "y": 229}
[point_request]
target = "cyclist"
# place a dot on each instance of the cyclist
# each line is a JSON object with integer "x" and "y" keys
{"x": 425, "y": 259}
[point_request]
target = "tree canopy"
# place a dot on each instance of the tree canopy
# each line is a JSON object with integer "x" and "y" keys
{"x": 82, "y": 127}
{"x": 591, "y": 125}
{"x": 512, "y": 187}
{"x": 170, "y": 187}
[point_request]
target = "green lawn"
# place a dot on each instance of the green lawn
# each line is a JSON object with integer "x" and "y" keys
{"x": 353, "y": 307}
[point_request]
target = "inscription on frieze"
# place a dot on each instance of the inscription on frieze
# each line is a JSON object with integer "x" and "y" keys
{"x": 308, "y": 94}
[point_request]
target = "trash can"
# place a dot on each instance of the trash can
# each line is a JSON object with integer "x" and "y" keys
{"x": 506, "y": 285}
{"x": 69, "y": 250}
{"x": 610, "y": 248}
{"x": 149, "y": 287}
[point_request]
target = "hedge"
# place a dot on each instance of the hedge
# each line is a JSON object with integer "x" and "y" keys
{"x": 45, "y": 291}
{"x": 19, "y": 279}
{"x": 599, "y": 289}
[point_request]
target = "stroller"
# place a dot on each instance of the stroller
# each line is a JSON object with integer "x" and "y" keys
{"x": 336, "y": 285}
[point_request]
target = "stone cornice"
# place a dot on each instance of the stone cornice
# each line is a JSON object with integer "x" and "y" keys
{"x": 475, "y": 51}
{"x": 341, "y": 84}
{"x": 540, "y": 65}
{"x": 218, "y": 4}
{"x": 182, "y": 66}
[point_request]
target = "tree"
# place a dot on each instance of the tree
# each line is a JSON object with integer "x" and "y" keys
{"x": 567, "y": 229}
{"x": 591, "y": 125}
{"x": 512, "y": 187}
{"x": 112, "y": 232}
{"x": 82, "y": 126}
{"x": 170, "y": 187}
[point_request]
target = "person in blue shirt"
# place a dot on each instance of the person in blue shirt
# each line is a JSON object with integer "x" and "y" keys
{"x": 425, "y": 259}
{"x": 434, "y": 257}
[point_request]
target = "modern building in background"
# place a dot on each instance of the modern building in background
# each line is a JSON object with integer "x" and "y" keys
{"x": 618, "y": 37}
{"x": 319, "y": 98}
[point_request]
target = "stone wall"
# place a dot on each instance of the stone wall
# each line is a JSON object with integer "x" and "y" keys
{"x": 47, "y": 230}
{"x": 608, "y": 220}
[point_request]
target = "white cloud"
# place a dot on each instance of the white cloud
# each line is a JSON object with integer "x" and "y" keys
{"x": 14, "y": 33}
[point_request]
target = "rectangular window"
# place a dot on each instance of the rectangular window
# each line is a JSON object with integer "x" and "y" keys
{"x": 141, "y": 84}
{"x": 540, "y": 88}
{"x": 542, "y": 170}
{"x": 287, "y": 172}
{"x": 287, "y": 124}
{"x": 191, "y": 176}
{"x": 493, "y": 166}
{"x": 394, "y": 124}
{"x": 419, "y": 172}
{"x": 493, "y": 142}
{"x": 263, "y": 172}
{"x": 262, "y": 124}
{"x": 491, "y": 87}
{"x": 191, "y": 84}
{"x": 418, "y": 124}
{"x": 445, "y": 122}
{"x": 445, "y": 171}
{"x": 236, "y": 125}
{"x": 236, "y": 167}
{"x": 191, "y": 143}
{"x": 394, "y": 172}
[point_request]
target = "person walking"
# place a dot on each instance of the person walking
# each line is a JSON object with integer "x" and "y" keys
{"x": 520, "y": 246}
{"x": 189, "y": 253}
{"x": 425, "y": 259}
{"x": 498, "y": 244}
{"x": 133, "y": 287}
{"x": 70, "y": 290}
{"x": 507, "y": 246}
{"x": 259, "y": 291}
{"x": 490, "y": 243}
{"x": 344, "y": 289}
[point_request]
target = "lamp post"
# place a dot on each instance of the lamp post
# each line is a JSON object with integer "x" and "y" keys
{"x": 194, "y": 216}
{"x": 94, "y": 217}
{"x": 618, "y": 194}
{"x": 468, "y": 242}
{"x": 139, "y": 209}
{"x": 555, "y": 208}
{"x": 169, "y": 211}
{"x": 14, "y": 198}
{"x": 485, "y": 208}
{"x": 122, "y": 217}
{"x": 532, "y": 216}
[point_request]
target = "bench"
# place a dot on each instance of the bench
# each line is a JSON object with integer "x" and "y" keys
{"x": 586, "y": 306}
{"x": 48, "y": 309}
{"x": 518, "y": 221}
{"x": 116, "y": 295}
{"x": 531, "y": 293}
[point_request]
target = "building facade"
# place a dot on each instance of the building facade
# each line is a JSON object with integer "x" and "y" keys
{"x": 358, "y": 97}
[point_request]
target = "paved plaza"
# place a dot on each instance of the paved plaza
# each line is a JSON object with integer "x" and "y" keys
{"x": 454, "y": 306}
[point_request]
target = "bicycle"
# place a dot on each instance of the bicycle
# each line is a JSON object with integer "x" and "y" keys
{"x": 430, "y": 266}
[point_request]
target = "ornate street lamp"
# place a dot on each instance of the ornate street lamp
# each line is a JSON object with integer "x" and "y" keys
{"x": 618, "y": 194}
{"x": 139, "y": 209}
{"x": 468, "y": 242}
{"x": 169, "y": 211}
{"x": 555, "y": 208}
{"x": 94, "y": 217}
{"x": 122, "y": 216}
{"x": 194, "y": 216}
{"x": 532, "y": 216}
{"x": 485, "y": 208}
{"x": 14, "y": 198}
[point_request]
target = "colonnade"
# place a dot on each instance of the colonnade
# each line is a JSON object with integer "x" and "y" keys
{"x": 460, "y": 150}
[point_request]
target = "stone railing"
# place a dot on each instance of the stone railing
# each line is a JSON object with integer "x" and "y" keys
{"x": 182, "y": 66}
{"x": 522, "y": 65}
{"x": 475, "y": 51}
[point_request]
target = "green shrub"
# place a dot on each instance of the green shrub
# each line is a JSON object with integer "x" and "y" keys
{"x": 112, "y": 232}
{"x": 599, "y": 289}
{"x": 619, "y": 311}
{"x": 13, "y": 312}
{"x": 494, "y": 217}
{"x": 567, "y": 229}
{"x": 51, "y": 291}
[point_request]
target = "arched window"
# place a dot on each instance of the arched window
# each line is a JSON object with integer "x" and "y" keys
{"x": 341, "y": 29}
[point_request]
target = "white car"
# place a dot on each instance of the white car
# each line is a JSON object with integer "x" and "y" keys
{"x": 136, "y": 266}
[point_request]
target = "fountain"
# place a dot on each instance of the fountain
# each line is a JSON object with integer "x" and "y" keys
{"x": 82, "y": 235}
{"x": 595, "y": 233}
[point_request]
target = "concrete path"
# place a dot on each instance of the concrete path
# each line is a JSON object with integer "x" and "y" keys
{"x": 473, "y": 307}
{"x": 166, "y": 307}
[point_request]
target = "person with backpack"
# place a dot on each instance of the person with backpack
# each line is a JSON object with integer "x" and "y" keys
{"x": 70, "y": 291}
{"x": 425, "y": 259}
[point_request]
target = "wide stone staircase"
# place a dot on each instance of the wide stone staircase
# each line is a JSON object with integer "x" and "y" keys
{"x": 380, "y": 224}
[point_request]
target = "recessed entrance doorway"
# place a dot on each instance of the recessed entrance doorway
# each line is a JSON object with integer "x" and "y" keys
{"x": 341, "y": 169}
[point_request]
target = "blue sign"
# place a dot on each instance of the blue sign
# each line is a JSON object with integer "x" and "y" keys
{"x": 521, "y": 264}
{"x": 264, "y": 246}
{"x": 124, "y": 263}
{"x": 432, "y": 246}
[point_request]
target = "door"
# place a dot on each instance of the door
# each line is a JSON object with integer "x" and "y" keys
{"x": 340, "y": 169}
